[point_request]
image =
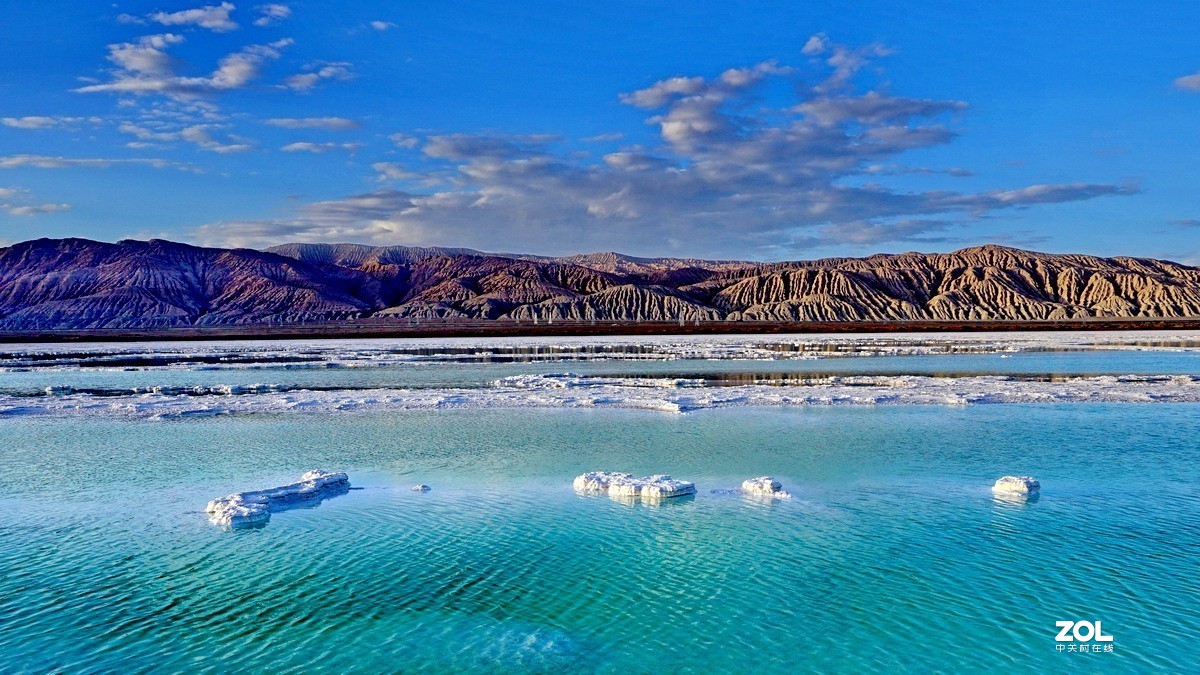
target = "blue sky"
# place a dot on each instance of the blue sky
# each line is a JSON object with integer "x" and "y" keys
{"x": 758, "y": 130}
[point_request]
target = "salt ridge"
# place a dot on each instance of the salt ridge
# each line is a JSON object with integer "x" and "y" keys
{"x": 570, "y": 391}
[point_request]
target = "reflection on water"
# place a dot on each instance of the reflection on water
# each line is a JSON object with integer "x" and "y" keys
{"x": 22, "y": 387}
{"x": 367, "y": 352}
{"x": 819, "y": 377}
{"x": 634, "y": 500}
{"x": 1015, "y": 499}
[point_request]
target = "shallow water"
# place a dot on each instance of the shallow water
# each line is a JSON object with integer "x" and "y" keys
{"x": 893, "y": 554}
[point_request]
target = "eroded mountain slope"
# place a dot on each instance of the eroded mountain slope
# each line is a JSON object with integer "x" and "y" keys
{"x": 76, "y": 283}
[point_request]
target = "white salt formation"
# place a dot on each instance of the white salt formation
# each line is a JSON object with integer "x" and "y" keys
{"x": 598, "y": 481}
{"x": 1016, "y": 485}
{"x": 661, "y": 486}
{"x": 245, "y": 509}
{"x": 764, "y": 486}
{"x": 626, "y": 485}
{"x": 234, "y": 512}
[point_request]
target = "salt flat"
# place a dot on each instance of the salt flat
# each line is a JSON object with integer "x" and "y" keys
{"x": 669, "y": 374}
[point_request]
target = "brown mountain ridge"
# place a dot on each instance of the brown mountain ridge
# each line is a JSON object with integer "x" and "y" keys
{"x": 50, "y": 284}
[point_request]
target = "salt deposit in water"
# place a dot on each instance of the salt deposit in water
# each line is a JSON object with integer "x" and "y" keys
{"x": 626, "y": 485}
{"x": 764, "y": 486}
{"x": 253, "y": 508}
{"x": 1016, "y": 485}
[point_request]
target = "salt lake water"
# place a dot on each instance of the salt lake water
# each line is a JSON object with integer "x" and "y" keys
{"x": 892, "y": 554}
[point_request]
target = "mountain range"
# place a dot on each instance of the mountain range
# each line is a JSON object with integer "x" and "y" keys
{"x": 48, "y": 284}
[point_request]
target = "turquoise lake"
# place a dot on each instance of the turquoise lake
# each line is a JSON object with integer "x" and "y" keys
{"x": 893, "y": 553}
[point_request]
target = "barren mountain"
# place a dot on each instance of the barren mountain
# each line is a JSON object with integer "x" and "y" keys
{"x": 76, "y": 283}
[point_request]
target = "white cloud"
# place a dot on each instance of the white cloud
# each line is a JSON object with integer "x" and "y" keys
{"x": 725, "y": 178}
{"x": 148, "y": 56}
{"x": 389, "y": 171}
{"x": 145, "y": 67}
{"x": 20, "y": 208}
{"x": 815, "y": 45}
{"x": 238, "y": 69}
{"x": 845, "y": 62}
{"x": 382, "y": 25}
{"x": 272, "y": 14}
{"x": 1189, "y": 82}
{"x": 1047, "y": 194}
{"x": 44, "y": 122}
{"x": 201, "y": 136}
{"x": 318, "y": 73}
{"x": 327, "y": 123}
{"x": 662, "y": 91}
{"x": 50, "y": 162}
{"x": 213, "y": 17}
{"x": 33, "y": 209}
{"x": 871, "y": 233}
{"x": 145, "y": 134}
{"x": 366, "y": 217}
{"x": 605, "y": 137}
{"x": 318, "y": 148}
{"x": 874, "y": 108}
{"x": 470, "y": 147}
{"x": 405, "y": 141}
{"x": 900, "y": 170}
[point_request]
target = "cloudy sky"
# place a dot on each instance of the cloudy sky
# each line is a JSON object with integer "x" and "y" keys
{"x": 756, "y": 130}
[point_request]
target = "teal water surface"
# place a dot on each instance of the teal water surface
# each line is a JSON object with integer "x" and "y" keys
{"x": 893, "y": 554}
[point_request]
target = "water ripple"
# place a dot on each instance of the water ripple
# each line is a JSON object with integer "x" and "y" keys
{"x": 893, "y": 554}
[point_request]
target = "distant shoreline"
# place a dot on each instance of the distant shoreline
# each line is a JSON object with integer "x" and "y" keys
{"x": 403, "y": 328}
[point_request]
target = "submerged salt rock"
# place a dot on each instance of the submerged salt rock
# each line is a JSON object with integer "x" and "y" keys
{"x": 627, "y": 485}
{"x": 421, "y": 488}
{"x": 1020, "y": 485}
{"x": 244, "y": 509}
